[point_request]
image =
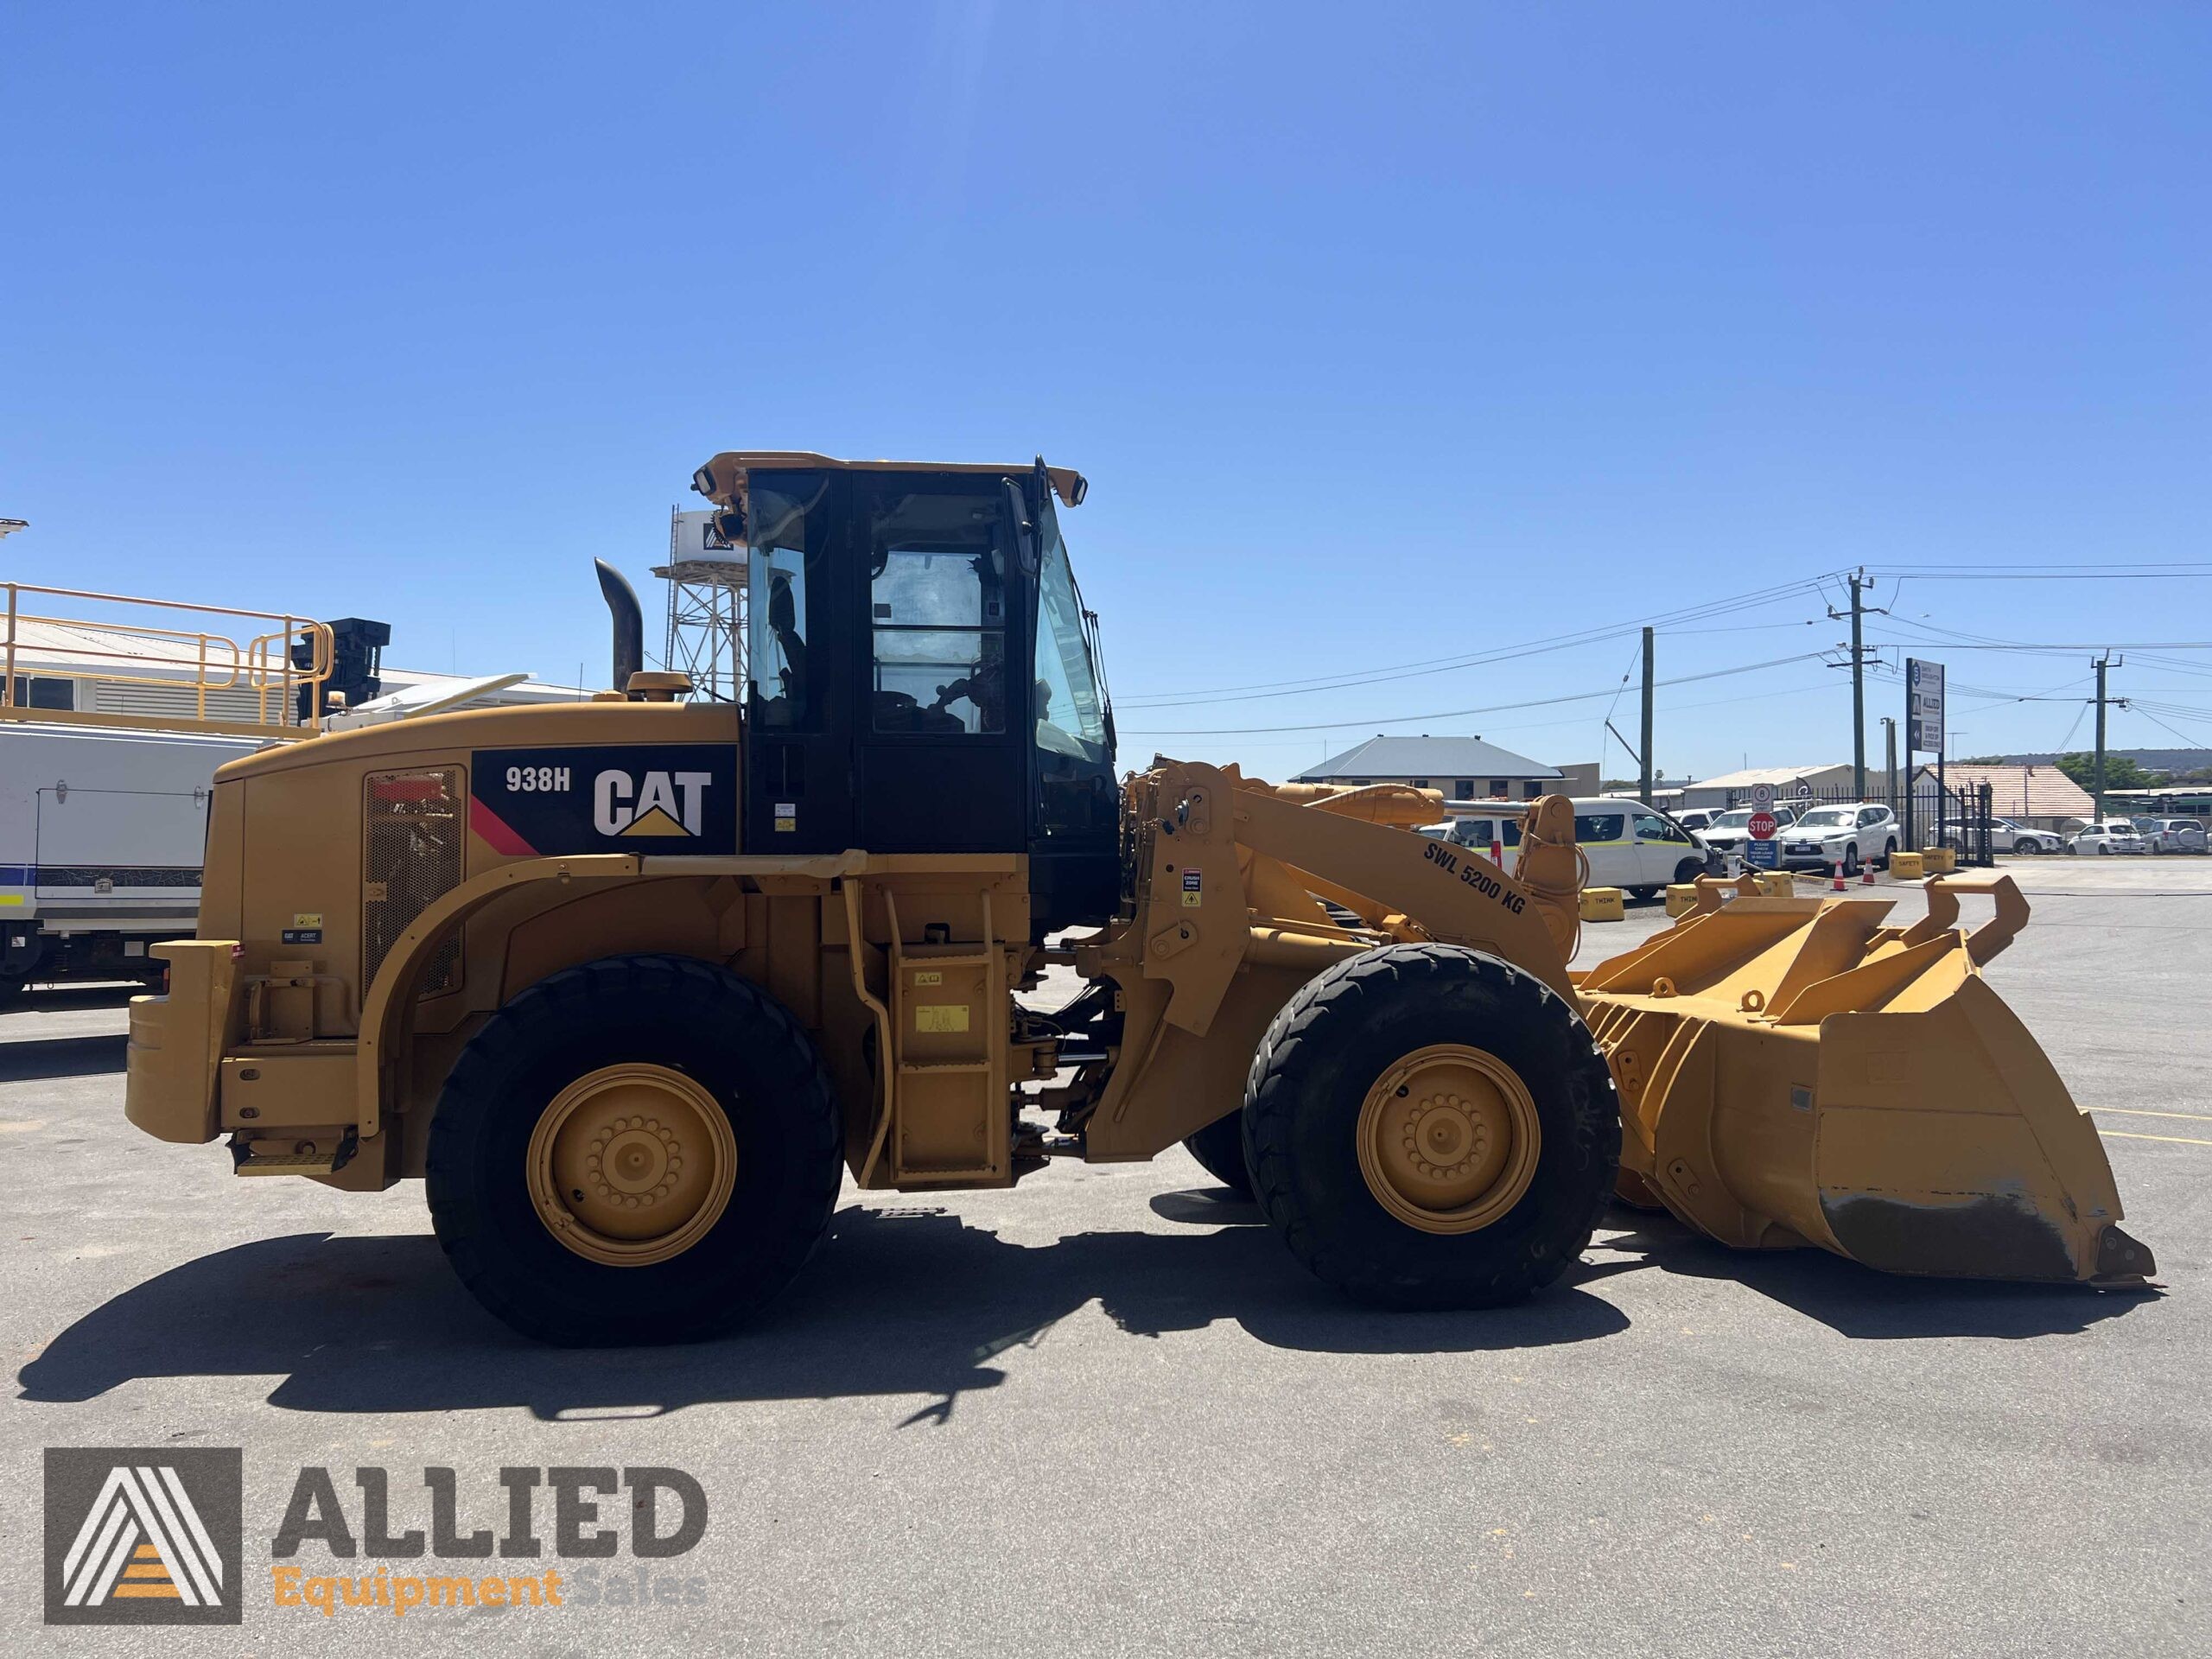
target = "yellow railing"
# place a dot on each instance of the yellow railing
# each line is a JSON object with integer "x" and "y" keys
{"x": 198, "y": 660}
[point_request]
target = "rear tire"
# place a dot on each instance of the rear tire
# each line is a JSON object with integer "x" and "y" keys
{"x": 1330, "y": 1053}
{"x": 1643, "y": 893}
{"x": 1889, "y": 852}
{"x": 1219, "y": 1148}
{"x": 721, "y": 1044}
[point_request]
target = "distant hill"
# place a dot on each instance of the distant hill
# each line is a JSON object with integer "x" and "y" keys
{"x": 2150, "y": 760}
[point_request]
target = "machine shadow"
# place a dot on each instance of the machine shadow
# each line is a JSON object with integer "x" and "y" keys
{"x": 1859, "y": 1302}
{"x": 899, "y": 1302}
{"x": 27, "y": 1059}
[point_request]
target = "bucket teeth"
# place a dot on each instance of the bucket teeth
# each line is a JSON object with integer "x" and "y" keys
{"x": 1798, "y": 1071}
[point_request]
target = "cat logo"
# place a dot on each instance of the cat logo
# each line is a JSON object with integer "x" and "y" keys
{"x": 665, "y": 803}
{"x": 132, "y": 1536}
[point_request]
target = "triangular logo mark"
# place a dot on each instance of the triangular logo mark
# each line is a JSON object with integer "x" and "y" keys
{"x": 655, "y": 822}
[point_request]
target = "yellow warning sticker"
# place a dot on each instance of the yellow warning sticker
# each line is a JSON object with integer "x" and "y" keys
{"x": 307, "y": 919}
{"x": 930, "y": 976}
{"x": 1190, "y": 901}
{"x": 941, "y": 1016}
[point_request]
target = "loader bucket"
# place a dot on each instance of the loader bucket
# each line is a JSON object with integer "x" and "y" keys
{"x": 1796, "y": 1072}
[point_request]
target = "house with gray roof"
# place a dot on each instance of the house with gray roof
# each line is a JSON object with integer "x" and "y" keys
{"x": 1463, "y": 768}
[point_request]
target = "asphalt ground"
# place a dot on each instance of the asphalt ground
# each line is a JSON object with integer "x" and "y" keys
{"x": 1105, "y": 1413}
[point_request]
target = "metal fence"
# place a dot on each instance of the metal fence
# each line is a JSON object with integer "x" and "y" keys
{"x": 1963, "y": 819}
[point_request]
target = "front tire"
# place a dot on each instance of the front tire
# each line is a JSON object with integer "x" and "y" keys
{"x": 1508, "y": 1106}
{"x": 1219, "y": 1150}
{"x": 641, "y": 1149}
{"x": 1850, "y": 859}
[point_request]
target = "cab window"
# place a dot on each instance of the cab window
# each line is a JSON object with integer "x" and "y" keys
{"x": 1650, "y": 826}
{"x": 1594, "y": 826}
{"x": 1070, "y": 713}
{"x": 937, "y": 605}
{"x": 788, "y": 538}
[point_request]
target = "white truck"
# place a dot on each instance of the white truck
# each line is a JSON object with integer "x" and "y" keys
{"x": 102, "y": 835}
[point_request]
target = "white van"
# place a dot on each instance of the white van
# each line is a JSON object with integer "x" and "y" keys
{"x": 1628, "y": 845}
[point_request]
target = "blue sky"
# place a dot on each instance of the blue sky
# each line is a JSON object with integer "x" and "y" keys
{"x": 1387, "y": 335}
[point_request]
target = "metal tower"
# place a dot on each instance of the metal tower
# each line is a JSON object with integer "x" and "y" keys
{"x": 706, "y": 609}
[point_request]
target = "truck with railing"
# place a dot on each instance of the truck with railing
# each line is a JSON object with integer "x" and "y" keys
{"x": 114, "y": 714}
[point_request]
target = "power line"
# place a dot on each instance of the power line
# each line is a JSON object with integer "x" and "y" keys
{"x": 1358, "y": 721}
{"x": 1349, "y": 677}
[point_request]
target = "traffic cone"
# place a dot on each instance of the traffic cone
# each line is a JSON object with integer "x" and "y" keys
{"x": 1837, "y": 885}
{"x": 1866, "y": 875}
{"x": 1498, "y": 852}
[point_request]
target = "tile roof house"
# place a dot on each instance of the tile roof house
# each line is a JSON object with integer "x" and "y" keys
{"x": 2043, "y": 796}
{"x": 1464, "y": 768}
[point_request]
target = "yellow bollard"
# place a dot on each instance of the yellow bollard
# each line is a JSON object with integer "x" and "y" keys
{"x": 1603, "y": 905}
{"x": 1939, "y": 860}
{"x": 1906, "y": 866}
{"x": 1680, "y": 896}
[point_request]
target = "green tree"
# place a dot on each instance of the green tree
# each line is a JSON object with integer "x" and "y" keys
{"x": 2120, "y": 772}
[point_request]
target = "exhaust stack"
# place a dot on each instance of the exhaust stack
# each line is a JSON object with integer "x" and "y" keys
{"x": 629, "y": 623}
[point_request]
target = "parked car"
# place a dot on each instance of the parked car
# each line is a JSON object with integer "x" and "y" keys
{"x": 1628, "y": 844}
{"x": 2113, "y": 835}
{"x": 1697, "y": 818}
{"x": 1841, "y": 835}
{"x": 1729, "y": 831}
{"x": 2170, "y": 835}
{"x": 2006, "y": 836}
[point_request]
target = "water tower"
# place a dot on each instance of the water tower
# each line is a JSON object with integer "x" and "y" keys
{"x": 706, "y": 608}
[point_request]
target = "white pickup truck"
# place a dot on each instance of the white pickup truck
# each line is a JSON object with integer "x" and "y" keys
{"x": 102, "y": 834}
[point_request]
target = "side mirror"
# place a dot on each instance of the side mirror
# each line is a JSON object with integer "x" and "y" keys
{"x": 1025, "y": 528}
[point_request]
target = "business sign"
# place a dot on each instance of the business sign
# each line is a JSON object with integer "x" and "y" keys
{"x": 1923, "y": 706}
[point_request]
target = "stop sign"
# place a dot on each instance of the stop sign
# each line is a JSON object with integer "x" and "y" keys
{"x": 1762, "y": 826}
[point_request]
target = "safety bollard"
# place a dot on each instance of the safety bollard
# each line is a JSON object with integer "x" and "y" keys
{"x": 1603, "y": 905}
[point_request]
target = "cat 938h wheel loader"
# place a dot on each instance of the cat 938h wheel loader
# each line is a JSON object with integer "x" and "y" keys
{"x": 634, "y": 984}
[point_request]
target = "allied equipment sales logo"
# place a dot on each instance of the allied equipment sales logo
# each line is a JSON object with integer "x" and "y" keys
{"x": 139, "y": 1536}
{"x": 143, "y": 1536}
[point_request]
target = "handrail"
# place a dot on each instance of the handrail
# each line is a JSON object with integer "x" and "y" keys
{"x": 210, "y": 661}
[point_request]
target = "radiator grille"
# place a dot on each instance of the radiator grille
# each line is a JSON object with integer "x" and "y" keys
{"x": 411, "y": 849}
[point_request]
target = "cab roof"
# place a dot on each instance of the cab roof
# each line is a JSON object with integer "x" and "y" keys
{"x": 722, "y": 480}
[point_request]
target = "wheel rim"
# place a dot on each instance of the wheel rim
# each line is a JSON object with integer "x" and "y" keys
{"x": 1449, "y": 1139}
{"x": 631, "y": 1165}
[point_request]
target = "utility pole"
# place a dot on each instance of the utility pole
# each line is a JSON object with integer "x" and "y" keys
{"x": 2097, "y": 770}
{"x": 1859, "y": 583}
{"x": 1645, "y": 795}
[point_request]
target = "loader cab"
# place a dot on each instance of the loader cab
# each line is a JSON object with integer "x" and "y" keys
{"x": 922, "y": 675}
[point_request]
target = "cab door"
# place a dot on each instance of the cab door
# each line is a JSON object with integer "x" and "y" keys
{"x": 942, "y": 687}
{"x": 798, "y": 769}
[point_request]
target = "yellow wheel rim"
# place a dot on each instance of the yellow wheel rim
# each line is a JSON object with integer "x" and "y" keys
{"x": 631, "y": 1165}
{"x": 1449, "y": 1139}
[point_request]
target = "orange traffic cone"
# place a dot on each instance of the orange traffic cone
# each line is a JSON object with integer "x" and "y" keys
{"x": 1837, "y": 885}
{"x": 1866, "y": 875}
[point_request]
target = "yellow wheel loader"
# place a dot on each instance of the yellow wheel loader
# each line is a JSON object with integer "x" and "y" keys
{"x": 634, "y": 984}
